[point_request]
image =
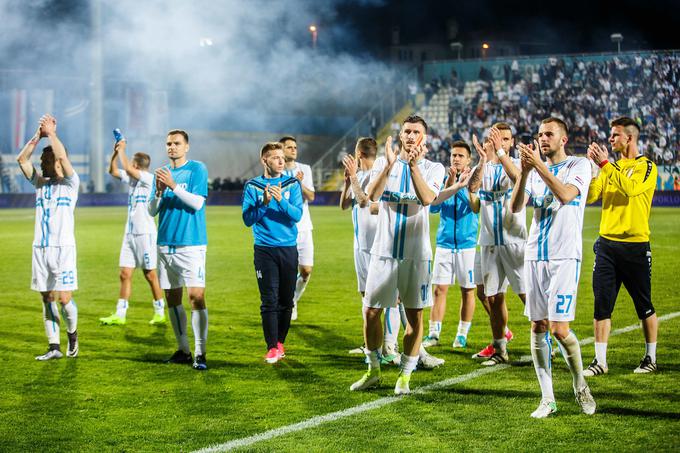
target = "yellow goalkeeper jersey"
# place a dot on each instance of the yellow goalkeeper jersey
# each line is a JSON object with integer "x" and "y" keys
{"x": 626, "y": 188}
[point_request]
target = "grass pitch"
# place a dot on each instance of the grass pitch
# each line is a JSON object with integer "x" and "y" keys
{"x": 118, "y": 396}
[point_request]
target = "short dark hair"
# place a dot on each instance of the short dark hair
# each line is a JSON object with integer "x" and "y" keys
{"x": 560, "y": 122}
{"x": 180, "y": 132}
{"x": 627, "y": 123}
{"x": 285, "y": 138}
{"x": 48, "y": 149}
{"x": 415, "y": 119}
{"x": 503, "y": 126}
{"x": 368, "y": 146}
{"x": 142, "y": 159}
{"x": 461, "y": 144}
{"x": 270, "y": 146}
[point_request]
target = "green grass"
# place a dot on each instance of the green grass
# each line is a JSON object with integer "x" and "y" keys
{"x": 118, "y": 396}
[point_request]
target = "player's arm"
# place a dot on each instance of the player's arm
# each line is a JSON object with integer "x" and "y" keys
{"x": 475, "y": 204}
{"x": 595, "y": 189}
{"x": 564, "y": 193}
{"x": 252, "y": 210}
{"x": 509, "y": 166}
{"x": 478, "y": 172}
{"x": 156, "y": 197}
{"x": 642, "y": 179}
{"x": 379, "y": 176}
{"x": 346, "y": 194}
{"x": 113, "y": 167}
{"x": 49, "y": 126}
{"x": 307, "y": 184}
{"x": 193, "y": 200}
{"x": 451, "y": 188}
{"x": 121, "y": 146}
{"x": 519, "y": 197}
{"x": 24, "y": 156}
{"x": 291, "y": 207}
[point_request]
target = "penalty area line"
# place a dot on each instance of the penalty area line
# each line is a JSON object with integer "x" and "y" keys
{"x": 384, "y": 401}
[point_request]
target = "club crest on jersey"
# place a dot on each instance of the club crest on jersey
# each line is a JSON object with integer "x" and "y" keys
{"x": 287, "y": 195}
{"x": 182, "y": 185}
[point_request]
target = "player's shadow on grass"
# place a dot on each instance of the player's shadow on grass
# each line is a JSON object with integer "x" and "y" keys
{"x": 630, "y": 412}
{"x": 157, "y": 337}
{"x": 482, "y": 393}
{"x": 318, "y": 337}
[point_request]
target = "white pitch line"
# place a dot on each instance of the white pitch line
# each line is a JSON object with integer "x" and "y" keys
{"x": 333, "y": 416}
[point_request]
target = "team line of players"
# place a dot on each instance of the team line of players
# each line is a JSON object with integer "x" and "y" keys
{"x": 392, "y": 197}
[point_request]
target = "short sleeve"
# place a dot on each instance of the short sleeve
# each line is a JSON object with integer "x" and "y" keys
{"x": 580, "y": 175}
{"x": 307, "y": 179}
{"x": 435, "y": 178}
{"x": 378, "y": 166}
{"x": 199, "y": 180}
{"x": 124, "y": 177}
{"x": 145, "y": 178}
{"x": 73, "y": 181}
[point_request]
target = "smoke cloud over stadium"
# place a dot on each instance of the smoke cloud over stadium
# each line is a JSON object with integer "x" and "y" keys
{"x": 219, "y": 56}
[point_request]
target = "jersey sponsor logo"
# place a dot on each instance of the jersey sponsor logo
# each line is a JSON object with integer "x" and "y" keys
{"x": 182, "y": 185}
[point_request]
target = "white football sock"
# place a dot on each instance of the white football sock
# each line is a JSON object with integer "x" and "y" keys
{"x": 199, "y": 324}
{"x": 178, "y": 319}
{"x": 463, "y": 328}
{"x": 601, "y": 354}
{"x": 121, "y": 308}
{"x": 373, "y": 359}
{"x": 500, "y": 345}
{"x": 70, "y": 313}
{"x": 540, "y": 355}
{"x": 300, "y": 286}
{"x": 408, "y": 364}
{"x": 402, "y": 314}
{"x": 51, "y": 320}
{"x": 571, "y": 351}
{"x": 650, "y": 350}
{"x": 159, "y": 307}
{"x": 435, "y": 329}
{"x": 391, "y": 331}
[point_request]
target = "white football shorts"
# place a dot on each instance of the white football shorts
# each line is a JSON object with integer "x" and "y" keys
{"x": 451, "y": 266}
{"x": 181, "y": 266}
{"x": 138, "y": 250}
{"x": 388, "y": 278}
{"x": 500, "y": 262}
{"x": 305, "y": 247}
{"x": 551, "y": 289}
{"x": 54, "y": 269}
{"x": 362, "y": 259}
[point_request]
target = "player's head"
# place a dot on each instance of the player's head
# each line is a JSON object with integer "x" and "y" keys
{"x": 49, "y": 165}
{"x": 177, "y": 144}
{"x": 141, "y": 161}
{"x": 272, "y": 158}
{"x": 289, "y": 147}
{"x": 413, "y": 131}
{"x": 624, "y": 132}
{"x": 506, "y": 133}
{"x": 552, "y": 136}
{"x": 460, "y": 155}
{"x": 366, "y": 148}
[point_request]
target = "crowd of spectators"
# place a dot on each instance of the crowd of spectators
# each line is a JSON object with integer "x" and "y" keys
{"x": 586, "y": 94}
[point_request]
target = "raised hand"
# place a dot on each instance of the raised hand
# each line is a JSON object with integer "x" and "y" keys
{"x": 267, "y": 196}
{"x": 276, "y": 192}
{"x": 119, "y": 147}
{"x": 299, "y": 175}
{"x": 483, "y": 157}
{"x": 350, "y": 166}
{"x": 530, "y": 156}
{"x": 48, "y": 125}
{"x": 464, "y": 178}
{"x": 496, "y": 138}
{"x": 390, "y": 154}
{"x": 452, "y": 176}
{"x": 597, "y": 153}
{"x": 165, "y": 177}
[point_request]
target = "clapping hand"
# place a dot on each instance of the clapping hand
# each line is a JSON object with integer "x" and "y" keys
{"x": 597, "y": 153}
{"x": 390, "y": 154}
{"x": 350, "y": 166}
{"x": 452, "y": 177}
{"x": 483, "y": 157}
{"x": 530, "y": 156}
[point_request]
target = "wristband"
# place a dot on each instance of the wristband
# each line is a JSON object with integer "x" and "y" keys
{"x": 603, "y": 163}
{"x": 500, "y": 153}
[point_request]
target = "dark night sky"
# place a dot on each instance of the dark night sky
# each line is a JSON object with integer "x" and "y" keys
{"x": 566, "y": 26}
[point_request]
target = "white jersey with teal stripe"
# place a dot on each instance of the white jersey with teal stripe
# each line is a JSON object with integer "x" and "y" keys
{"x": 556, "y": 229}
{"x": 363, "y": 221}
{"x": 499, "y": 226}
{"x": 403, "y": 230}
{"x": 305, "y": 223}
{"x": 139, "y": 221}
{"x": 55, "y": 202}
